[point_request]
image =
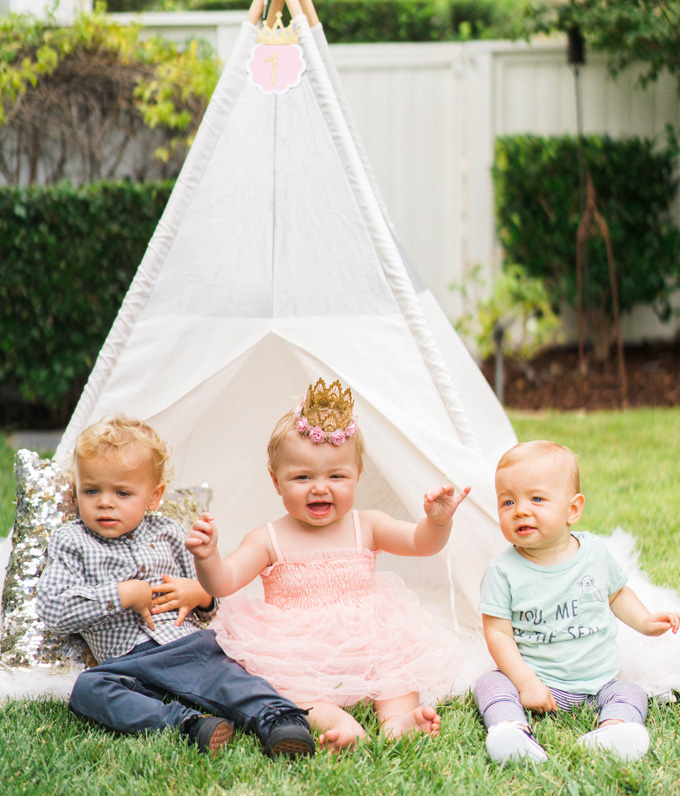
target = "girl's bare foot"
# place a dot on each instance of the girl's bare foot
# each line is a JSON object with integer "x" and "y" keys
{"x": 423, "y": 719}
{"x": 336, "y": 739}
{"x": 339, "y": 729}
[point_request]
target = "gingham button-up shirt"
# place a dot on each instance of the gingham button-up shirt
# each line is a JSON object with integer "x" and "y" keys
{"x": 78, "y": 589}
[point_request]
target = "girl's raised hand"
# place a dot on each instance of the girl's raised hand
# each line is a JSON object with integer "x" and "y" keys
{"x": 201, "y": 541}
{"x": 441, "y": 504}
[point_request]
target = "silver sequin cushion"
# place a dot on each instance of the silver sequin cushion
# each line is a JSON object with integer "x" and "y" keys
{"x": 45, "y": 500}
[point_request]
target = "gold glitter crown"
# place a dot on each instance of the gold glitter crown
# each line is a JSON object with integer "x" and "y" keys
{"x": 278, "y": 34}
{"x": 328, "y": 408}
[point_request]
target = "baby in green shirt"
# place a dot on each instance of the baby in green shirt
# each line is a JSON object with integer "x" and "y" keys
{"x": 549, "y": 606}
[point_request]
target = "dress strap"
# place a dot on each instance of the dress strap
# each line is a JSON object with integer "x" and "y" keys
{"x": 275, "y": 541}
{"x": 357, "y": 529}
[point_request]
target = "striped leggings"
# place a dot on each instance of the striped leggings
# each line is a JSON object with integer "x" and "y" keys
{"x": 498, "y": 700}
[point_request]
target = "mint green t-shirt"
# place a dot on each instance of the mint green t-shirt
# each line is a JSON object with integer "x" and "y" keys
{"x": 562, "y": 622}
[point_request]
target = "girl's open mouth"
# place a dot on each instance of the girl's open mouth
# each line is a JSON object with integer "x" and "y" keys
{"x": 319, "y": 509}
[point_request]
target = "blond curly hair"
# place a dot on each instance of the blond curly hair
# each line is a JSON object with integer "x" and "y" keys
{"x": 122, "y": 436}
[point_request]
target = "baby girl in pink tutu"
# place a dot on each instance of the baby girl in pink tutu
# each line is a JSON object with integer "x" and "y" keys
{"x": 331, "y": 632}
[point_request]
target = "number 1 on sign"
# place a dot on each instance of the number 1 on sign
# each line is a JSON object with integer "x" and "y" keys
{"x": 275, "y": 59}
{"x": 275, "y": 68}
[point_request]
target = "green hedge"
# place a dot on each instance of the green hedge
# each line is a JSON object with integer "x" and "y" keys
{"x": 349, "y": 21}
{"x": 67, "y": 257}
{"x": 538, "y": 211}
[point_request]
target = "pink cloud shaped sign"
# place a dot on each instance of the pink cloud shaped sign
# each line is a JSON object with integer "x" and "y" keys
{"x": 276, "y": 68}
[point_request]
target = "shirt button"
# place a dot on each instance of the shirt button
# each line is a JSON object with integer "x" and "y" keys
{"x": 110, "y": 606}
{"x": 152, "y": 546}
{"x": 142, "y": 569}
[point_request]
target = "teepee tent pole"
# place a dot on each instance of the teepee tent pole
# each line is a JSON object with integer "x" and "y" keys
{"x": 274, "y": 8}
{"x": 322, "y": 46}
{"x": 383, "y": 240}
{"x": 294, "y": 7}
{"x": 310, "y": 12}
{"x": 324, "y": 51}
{"x": 255, "y": 11}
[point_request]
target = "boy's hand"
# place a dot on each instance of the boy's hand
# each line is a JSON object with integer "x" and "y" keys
{"x": 136, "y": 594}
{"x": 440, "y": 504}
{"x": 538, "y": 697}
{"x": 180, "y": 594}
{"x": 201, "y": 541}
{"x": 660, "y": 623}
{"x": 627, "y": 607}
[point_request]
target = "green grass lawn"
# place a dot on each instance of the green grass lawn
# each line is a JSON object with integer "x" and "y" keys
{"x": 629, "y": 464}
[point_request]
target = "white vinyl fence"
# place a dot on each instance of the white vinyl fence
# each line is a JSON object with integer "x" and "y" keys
{"x": 429, "y": 114}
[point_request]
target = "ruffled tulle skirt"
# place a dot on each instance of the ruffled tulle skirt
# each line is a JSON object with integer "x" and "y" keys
{"x": 385, "y": 647}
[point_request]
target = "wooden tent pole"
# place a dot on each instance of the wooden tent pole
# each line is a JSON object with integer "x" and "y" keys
{"x": 255, "y": 11}
{"x": 274, "y": 8}
{"x": 310, "y": 12}
{"x": 294, "y": 7}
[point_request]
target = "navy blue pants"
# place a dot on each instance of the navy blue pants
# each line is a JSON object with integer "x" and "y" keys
{"x": 128, "y": 694}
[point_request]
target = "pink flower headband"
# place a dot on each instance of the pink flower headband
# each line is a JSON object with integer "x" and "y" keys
{"x": 326, "y": 414}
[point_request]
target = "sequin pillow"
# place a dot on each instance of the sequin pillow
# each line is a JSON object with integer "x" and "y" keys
{"x": 44, "y": 501}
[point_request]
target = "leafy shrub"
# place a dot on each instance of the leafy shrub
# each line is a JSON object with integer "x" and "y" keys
{"x": 75, "y": 101}
{"x": 643, "y": 33}
{"x": 514, "y": 318}
{"x": 349, "y": 21}
{"x": 67, "y": 257}
{"x": 538, "y": 211}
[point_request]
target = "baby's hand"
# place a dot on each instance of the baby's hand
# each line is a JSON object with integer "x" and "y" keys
{"x": 201, "y": 541}
{"x": 660, "y": 623}
{"x": 136, "y": 594}
{"x": 181, "y": 594}
{"x": 538, "y": 697}
{"x": 440, "y": 504}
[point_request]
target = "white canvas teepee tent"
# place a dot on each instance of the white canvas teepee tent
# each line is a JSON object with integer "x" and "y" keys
{"x": 274, "y": 263}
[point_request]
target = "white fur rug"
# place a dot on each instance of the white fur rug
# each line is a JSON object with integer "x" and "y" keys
{"x": 654, "y": 663}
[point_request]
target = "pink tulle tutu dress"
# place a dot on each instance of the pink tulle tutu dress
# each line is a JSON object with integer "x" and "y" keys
{"x": 332, "y": 629}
